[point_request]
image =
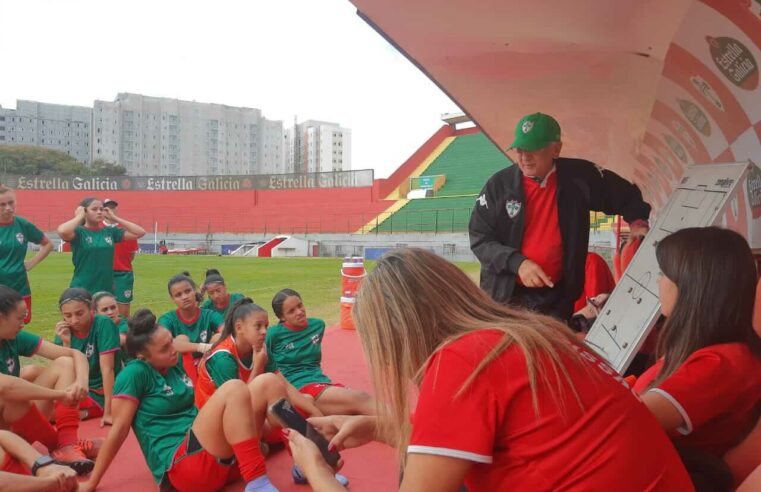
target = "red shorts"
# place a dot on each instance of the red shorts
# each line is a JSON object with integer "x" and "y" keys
{"x": 93, "y": 408}
{"x": 316, "y": 389}
{"x": 12, "y": 465}
{"x": 196, "y": 470}
{"x": 28, "y": 302}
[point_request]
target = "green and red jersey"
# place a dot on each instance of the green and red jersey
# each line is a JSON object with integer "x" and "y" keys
{"x": 23, "y": 344}
{"x": 297, "y": 352}
{"x": 200, "y": 329}
{"x": 208, "y": 304}
{"x": 14, "y": 239}
{"x": 93, "y": 258}
{"x": 165, "y": 410}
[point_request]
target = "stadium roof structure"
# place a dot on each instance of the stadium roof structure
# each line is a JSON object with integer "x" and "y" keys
{"x": 643, "y": 87}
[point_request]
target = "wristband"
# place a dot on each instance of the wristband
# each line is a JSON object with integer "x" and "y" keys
{"x": 40, "y": 462}
{"x": 204, "y": 347}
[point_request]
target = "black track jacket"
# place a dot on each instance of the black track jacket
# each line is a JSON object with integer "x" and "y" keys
{"x": 496, "y": 237}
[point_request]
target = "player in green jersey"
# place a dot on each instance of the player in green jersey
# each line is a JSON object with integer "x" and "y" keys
{"x": 92, "y": 244}
{"x": 97, "y": 337}
{"x": 105, "y": 304}
{"x": 219, "y": 299}
{"x": 185, "y": 448}
{"x": 294, "y": 347}
{"x": 26, "y": 407}
{"x": 15, "y": 234}
{"x": 194, "y": 329}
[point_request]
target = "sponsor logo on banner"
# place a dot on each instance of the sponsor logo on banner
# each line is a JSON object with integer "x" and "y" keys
{"x": 753, "y": 188}
{"x": 512, "y": 207}
{"x": 735, "y": 61}
{"x": 696, "y": 116}
{"x": 707, "y": 91}
{"x": 676, "y": 147}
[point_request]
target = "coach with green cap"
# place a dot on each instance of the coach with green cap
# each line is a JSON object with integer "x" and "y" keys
{"x": 530, "y": 224}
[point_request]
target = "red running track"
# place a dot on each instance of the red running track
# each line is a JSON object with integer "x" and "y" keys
{"x": 372, "y": 468}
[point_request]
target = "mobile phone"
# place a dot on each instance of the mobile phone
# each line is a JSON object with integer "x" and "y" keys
{"x": 289, "y": 417}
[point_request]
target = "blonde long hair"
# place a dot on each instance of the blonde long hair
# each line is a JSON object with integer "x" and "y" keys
{"x": 414, "y": 302}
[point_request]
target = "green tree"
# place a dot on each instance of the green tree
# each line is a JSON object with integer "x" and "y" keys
{"x": 100, "y": 167}
{"x": 29, "y": 160}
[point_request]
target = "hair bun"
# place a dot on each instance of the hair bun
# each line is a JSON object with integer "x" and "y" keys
{"x": 143, "y": 321}
{"x": 212, "y": 271}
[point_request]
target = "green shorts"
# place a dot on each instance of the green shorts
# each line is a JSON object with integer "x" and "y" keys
{"x": 124, "y": 283}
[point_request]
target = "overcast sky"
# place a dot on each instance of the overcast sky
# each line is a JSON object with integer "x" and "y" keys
{"x": 314, "y": 59}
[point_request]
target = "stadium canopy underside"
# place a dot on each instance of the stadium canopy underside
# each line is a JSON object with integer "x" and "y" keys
{"x": 643, "y": 87}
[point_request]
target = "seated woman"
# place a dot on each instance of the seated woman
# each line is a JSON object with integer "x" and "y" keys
{"x": 240, "y": 354}
{"x": 24, "y": 468}
{"x": 185, "y": 448}
{"x": 219, "y": 299}
{"x": 55, "y": 391}
{"x": 508, "y": 399}
{"x": 105, "y": 304}
{"x": 705, "y": 388}
{"x": 294, "y": 348}
{"x": 97, "y": 338}
{"x": 192, "y": 327}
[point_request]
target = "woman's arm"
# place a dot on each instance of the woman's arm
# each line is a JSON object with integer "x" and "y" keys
{"x": 185, "y": 346}
{"x": 17, "y": 389}
{"x": 51, "y": 351}
{"x": 45, "y": 248}
{"x": 665, "y": 412}
{"x": 131, "y": 230}
{"x": 432, "y": 472}
{"x": 66, "y": 231}
{"x": 107, "y": 371}
{"x": 123, "y": 414}
{"x": 299, "y": 400}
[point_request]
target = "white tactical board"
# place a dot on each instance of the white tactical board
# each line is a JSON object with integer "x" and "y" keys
{"x": 633, "y": 307}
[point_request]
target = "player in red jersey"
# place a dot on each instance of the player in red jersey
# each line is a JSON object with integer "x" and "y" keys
{"x": 508, "y": 399}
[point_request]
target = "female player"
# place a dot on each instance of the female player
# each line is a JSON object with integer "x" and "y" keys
{"x": 191, "y": 326}
{"x": 23, "y": 468}
{"x": 508, "y": 399}
{"x": 97, "y": 337}
{"x": 219, "y": 299}
{"x": 92, "y": 245}
{"x": 15, "y": 234}
{"x": 240, "y": 354}
{"x": 105, "y": 304}
{"x": 56, "y": 391}
{"x": 705, "y": 388}
{"x": 294, "y": 348}
{"x": 185, "y": 448}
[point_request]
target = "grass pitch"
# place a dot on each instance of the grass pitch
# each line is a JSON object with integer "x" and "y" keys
{"x": 318, "y": 280}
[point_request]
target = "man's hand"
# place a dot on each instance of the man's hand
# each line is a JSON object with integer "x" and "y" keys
{"x": 58, "y": 478}
{"x": 533, "y": 276}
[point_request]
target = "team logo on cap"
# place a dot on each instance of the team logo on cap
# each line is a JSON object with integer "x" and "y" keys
{"x": 20, "y": 238}
{"x": 512, "y": 207}
{"x": 527, "y": 126}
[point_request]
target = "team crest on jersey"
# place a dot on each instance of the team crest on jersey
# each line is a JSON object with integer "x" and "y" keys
{"x": 10, "y": 363}
{"x": 482, "y": 201}
{"x": 290, "y": 346}
{"x": 204, "y": 334}
{"x": 89, "y": 350}
{"x": 20, "y": 238}
{"x": 127, "y": 293}
{"x": 88, "y": 240}
{"x": 527, "y": 126}
{"x": 167, "y": 390}
{"x": 109, "y": 241}
{"x": 188, "y": 382}
{"x": 315, "y": 339}
{"x": 512, "y": 207}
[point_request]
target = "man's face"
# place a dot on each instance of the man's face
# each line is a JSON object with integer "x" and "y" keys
{"x": 538, "y": 164}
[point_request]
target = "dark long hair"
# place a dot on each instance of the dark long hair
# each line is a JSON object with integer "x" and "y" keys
{"x": 213, "y": 277}
{"x": 240, "y": 310}
{"x": 9, "y": 299}
{"x": 142, "y": 326}
{"x": 715, "y": 274}
{"x": 279, "y": 299}
{"x": 184, "y": 277}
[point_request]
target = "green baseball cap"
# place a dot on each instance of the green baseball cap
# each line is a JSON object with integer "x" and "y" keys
{"x": 535, "y": 131}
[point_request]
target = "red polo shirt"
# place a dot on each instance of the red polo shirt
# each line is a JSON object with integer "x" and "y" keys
{"x": 542, "y": 243}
